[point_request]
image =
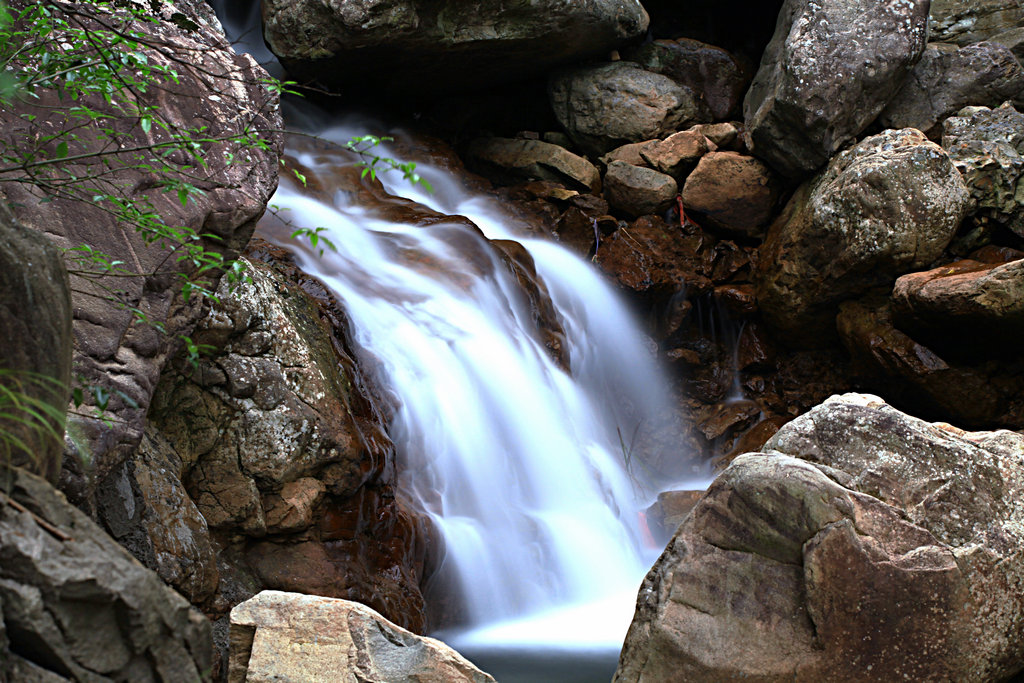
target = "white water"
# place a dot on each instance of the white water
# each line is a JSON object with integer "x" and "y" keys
{"x": 519, "y": 463}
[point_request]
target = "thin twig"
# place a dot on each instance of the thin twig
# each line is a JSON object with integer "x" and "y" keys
{"x": 51, "y": 529}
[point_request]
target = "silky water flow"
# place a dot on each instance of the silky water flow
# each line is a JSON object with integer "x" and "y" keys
{"x": 523, "y": 464}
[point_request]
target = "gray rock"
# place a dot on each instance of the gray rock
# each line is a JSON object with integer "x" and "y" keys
{"x": 827, "y": 73}
{"x": 863, "y": 544}
{"x": 885, "y": 207}
{"x": 419, "y": 46}
{"x": 35, "y": 347}
{"x": 638, "y": 191}
{"x": 971, "y": 21}
{"x": 987, "y": 147}
{"x": 509, "y": 161}
{"x": 78, "y": 606}
{"x": 278, "y": 636}
{"x": 949, "y": 78}
{"x": 604, "y": 107}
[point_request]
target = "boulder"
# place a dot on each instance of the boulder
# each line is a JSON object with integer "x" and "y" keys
{"x": 827, "y": 73}
{"x": 416, "y": 47}
{"x": 987, "y": 147}
{"x": 972, "y": 388}
{"x": 949, "y": 78}
{"x": 35, "y": 348}
{"x": 862, "y": 544}
{"x": 119, "y": 349}
{"x": 732, "y": 192}
{"x": 638, "y": 191}
{"x": 278, "y": 636}
{"x": 676, "y": 155}
{"x": 885, "y": 207}
{"x": 267, "y": 459}
{"x": 628, "y": 153}
{"x": 1013, "y": 40}
{"x": 76, "y": 606}
{"x": 603, "y": 107}
{"x": 971, "y": 21}
{"x": 962, "y": 304}
{"x": 715, "y": 75}
{"x": 510, "y": 161}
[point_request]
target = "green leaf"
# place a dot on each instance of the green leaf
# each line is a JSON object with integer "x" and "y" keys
{"x": 146, "y": 123}
{"x": 183, "y": 195}
{"x": 62, "y": 150}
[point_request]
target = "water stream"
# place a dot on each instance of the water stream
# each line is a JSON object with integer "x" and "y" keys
{"x": 520, "y": 460}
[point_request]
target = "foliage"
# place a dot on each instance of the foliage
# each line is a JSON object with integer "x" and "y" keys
{"x": 29, "y": 417}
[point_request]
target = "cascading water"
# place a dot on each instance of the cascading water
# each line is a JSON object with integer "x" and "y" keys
{"x": 521, "y": 463}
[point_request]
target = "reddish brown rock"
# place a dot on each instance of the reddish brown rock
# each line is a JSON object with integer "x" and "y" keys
{"x": 677, "y": 154}
{"x": 714, "y": 421}
{"x": 752, "y": 440}
{"x": 739, "y": 300}
{"x": 754, "y": 348}
{"x": 732, "y": 192}
{"x": 651, "y": 255}
{"x": 669, "y": 510}
{"x": 629, "y": 154}
{"x": 508, "y": 161}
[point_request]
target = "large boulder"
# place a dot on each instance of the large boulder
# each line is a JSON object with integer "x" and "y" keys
{"x": 267, "y": 460}
{"x": 987, "y": 147}
{"x": 638, "y": 191}
{"x": 415, "y": 46}
{"x": 970, "y": 21}
{"x": 35, "y": 348}
{"x": 76, "y": 606}
{"x": 949, "y": 78}
{"x": 715, "y": 75}
{"x": 605, "y": 106}
{"x": 279, "y": 636}
{"x": 830, "y": 69}
{"x": 862, "y": 544}
{"x": 887, "y": 206}
{"x": 127, "y": 327}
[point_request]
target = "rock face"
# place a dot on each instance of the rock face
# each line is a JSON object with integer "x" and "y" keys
{"x": 827, "y": 73}
{"x": 970, "y": 21}
{"x": 76, "y": 606}
{"x": 862, "y": 544}
{"x": 416, "y": 46}
{"x": 115, "y": 350}
{"x": 603, "y": 107}
{"x": 948, "y": 78}
{"x": 510, "y": 161}
{"x": 638, "y": 191}
{"x": 265, "y": 465}
{"x": 35, "y": 345}
{"x": 711, "y": 72}
{"x": 887, "y": 206}
{"x": 279, "y": 636}
{"x": 732, "y": 192}
{"x": 987, "y": 147}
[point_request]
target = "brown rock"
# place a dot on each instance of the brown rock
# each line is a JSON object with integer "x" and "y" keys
{"x": 752, "y": 440}
{"x": 507, "y": 160}
{"x": 732, "y": 192}
{"x": 629, "y": 154}
{"x": 638, "y": 191}
{"x": 666, "y": 513}
{"x": 653, "y": 256}
{"x": 279, "y": 636}
{"x": 716, "y": 420}
{"x": 754, "y": 348}
{"x": 739, "y": 300}
{"x": 677, "y": 154}
{"x": 292, "y": 509}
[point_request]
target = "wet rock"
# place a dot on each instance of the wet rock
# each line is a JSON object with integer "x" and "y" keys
{"x": 828, "y": 72}
{"x": 35, "y": 347}
{"x": 715, "y": 421}
{"x": 980, "y": 393}
{"x": 76, "y": 605}
{"x": 507, "y": 160}
{"x": 731, "y": 192}
{"x": 414, "y": 47}
{"x": 287, "y": 636}
{"x": 715, "y": 75}
{"x": 949, "y": 78}
{"x": 754, "y": 348}
{"x": 653, "y": 257}
{"x": 887, "y": 206}
{"x": 966, "y": 304}
{"x": 638, "y": 191}
{"x": 970, "y": 21}
{"x": 987, "y": 147}
{"x": 752, "y": 440}
{"x": 739, "y": 300}
{"x": 606, "y": 106}
{"x": 677, "y": 154}
{"x": 863, "y": 544}
{"x": 667, "y": 512}
{"x": 116, "y": 351}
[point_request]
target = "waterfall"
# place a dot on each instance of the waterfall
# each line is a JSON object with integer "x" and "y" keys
{"x": 523, "y": 462}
